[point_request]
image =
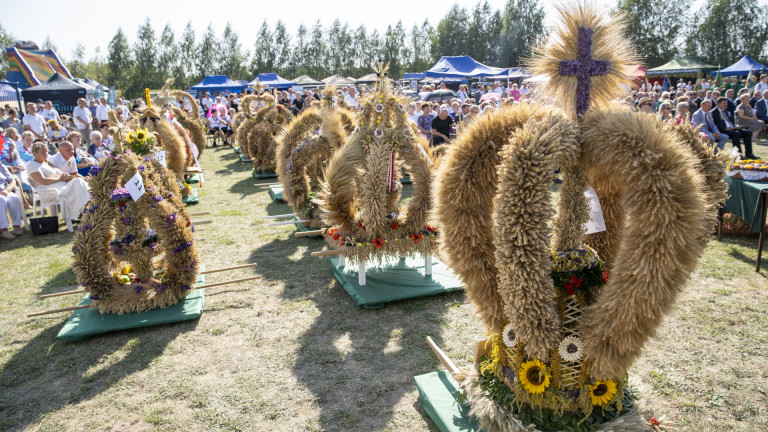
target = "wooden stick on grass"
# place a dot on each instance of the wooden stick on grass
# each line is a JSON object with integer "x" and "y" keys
{"x": 53, "y": 311}
{"x": 228, "y": 268}
{"x": 307, "y": 233}
{"x": 288, "y": 223}
{"x": 202, "y": 213}
{"x": 63, "y": 293}
{"x": 280, "y": 216}
{"x": 442, "y": 357}
{"x": 203, "y": 222}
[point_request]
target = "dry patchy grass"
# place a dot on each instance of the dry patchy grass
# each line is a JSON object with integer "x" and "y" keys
{"x": 292, "y": 352}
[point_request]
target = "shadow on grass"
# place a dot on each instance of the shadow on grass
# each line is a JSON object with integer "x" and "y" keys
{"x": 244, "y": 187}
{"x": 749, "y": 260}
{"x": 65, "y": 280}
{"x": 47, "y": 375}
{"x": 271, "y": 259}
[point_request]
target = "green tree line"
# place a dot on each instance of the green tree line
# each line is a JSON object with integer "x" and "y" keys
{"x": 720, "y": 32}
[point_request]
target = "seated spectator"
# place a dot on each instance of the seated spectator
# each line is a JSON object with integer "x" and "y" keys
{"x": 514, "y": 92}
{"x": 10, "y": 202}
{"x": 11, "y": 158}
{"x": 56, "y": 132}
{"x": 665, "y": 112}
{"x": 645, "y": 106}
{"x": 106, "y": 139}
{"x": 726, "y": 124}
{"x": 97, "y": 148}
{"x": 412, "y": 114}
{"x": 25, "y": 148}
{"x": 34, "y": 122}
{"x": 456, "y": 112}
{"x": 474, "y": 111}
{"x": 702, "y": 117}
{"x": 13, "y": 121}
{"x": 745, "y": 116}
{"x": 441, "y": 126}
{"x": 225, "y": 119}
{"x": 760, "y": 105}
{"x": 50, "y": 113}
{"x": 216, "y": 127}
{"x": 71, "y": 158}
{"x": 72, "y": 188}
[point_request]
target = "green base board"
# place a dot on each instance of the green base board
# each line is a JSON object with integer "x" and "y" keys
{"x": 438, "y": 397}
{"x": 267, "y": 175}
{"x": 397, "y": 280}
{"x": 193, "y": 179}
{"x": 192, "y": 198}
{"x": 406, "y": 180}
{"x": 276, "y": 192}
{"x": 304, "y": 228}
{"x": 244, "y": 158}
{"x": 236, "y": 149}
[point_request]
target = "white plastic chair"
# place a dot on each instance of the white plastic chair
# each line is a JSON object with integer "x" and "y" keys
{"x": 48, "y": 198}
{"x": 24, "y": 218}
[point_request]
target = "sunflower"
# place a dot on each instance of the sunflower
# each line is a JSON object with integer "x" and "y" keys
{"x": 534, "y": 376}
{"x": 509, "y": 336}
{"x": 602, "y": 392}
{"x": 141, "y": 134}
{"x": 131, "y": 137}
{"x": 570, "y": 349}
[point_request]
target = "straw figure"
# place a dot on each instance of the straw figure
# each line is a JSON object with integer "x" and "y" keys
{"x": 304, "y": 149}
{"x": 191, "y": 120}
{"x": 270, "y": 121}
{"x": 360, "y": 199}
{"x": 242, "y": 123}
{"x": 566, "y": 320}
{"x": 116, "y": 245}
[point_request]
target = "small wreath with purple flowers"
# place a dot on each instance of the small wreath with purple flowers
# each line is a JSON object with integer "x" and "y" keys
{"x": 134, "y": 256}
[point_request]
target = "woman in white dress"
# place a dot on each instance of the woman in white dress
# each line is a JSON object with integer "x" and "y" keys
{"x": 72, "y": 188}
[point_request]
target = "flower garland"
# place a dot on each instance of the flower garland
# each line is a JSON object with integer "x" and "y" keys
{"x": 141, "y": 141}
{"x": 115, "y": 246}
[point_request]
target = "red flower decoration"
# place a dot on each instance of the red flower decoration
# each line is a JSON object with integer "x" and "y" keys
{"x": 572, "y": 284}
{"x": 570, "y": 290}
{"x": 336, "y": 236}
{"x": 430, "y": 228}
{"x": 189, "y": 222}
{"x": 653, "y": 421}
{"x": 378, "y": 242}
{"x": 605, "y": 276}
{"x": 360, "y": 224}
{"x": 415, "y": 237}
{"x": 279, "y": 107}
{"x": 395, "y": 225}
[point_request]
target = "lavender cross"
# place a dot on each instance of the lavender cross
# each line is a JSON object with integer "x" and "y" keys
{"x": 584, "y": 68}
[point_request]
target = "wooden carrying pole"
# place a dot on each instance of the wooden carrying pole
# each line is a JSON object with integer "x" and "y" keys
{"x": 63, "y": 293}
{"x": 71, "y": 308}
{"x": 288, "y": 222}
{"x": 202, "y": 213}
{"x": 228, "y": 268}
{"x": 280, "y": 216}
{"x": 203, "y": 222}
{"x": 442, "y": 357}
{"x": 307, "y": 233}
{"x": 327, "y": 253}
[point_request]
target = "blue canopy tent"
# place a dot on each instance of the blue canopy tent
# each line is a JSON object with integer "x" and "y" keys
{"x": 461, "y": 67}
{"x": 741, "y": 67}
{"x": 216, "y": 83}
{"x": 9, "y": 91}
{"x": 413, "y": 76}
{"x": 273, "y": 81}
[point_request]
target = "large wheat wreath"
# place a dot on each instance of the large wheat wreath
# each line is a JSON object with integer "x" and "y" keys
{"x": 116, "y": 246}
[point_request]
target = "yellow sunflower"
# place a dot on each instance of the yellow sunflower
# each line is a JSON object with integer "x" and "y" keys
{"x": 131, "y": 137}
{"x": 534, "y": 376}
{"x": 602, "y": 392}
{"x": 141, "y": 135}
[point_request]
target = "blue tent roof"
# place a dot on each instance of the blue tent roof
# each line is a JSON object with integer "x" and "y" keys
{"x": 413, "y": 75}
{"x": 461, "y": 67}
{"x": 741, "y": 67}
{"x": 218, "y": 83}
{"x": 273, "y": 80}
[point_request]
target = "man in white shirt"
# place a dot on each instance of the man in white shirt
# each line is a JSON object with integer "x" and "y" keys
{"x": 102, "y": 110}
{"x": 50, "y": 113}
{"x": 65, "y": 158}
{"x": 351, "y": 97}
{"x": 762, "y": 86}
{"x": 82, "y": 117}
{"x": 34, "y": 122}
{"x": 206, "y": 101}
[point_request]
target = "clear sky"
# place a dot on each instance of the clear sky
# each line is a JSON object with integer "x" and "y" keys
{"x": 94, "y": 23}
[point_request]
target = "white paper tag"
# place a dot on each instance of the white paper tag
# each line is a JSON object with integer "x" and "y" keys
{"x": 135, "y": 186}
{"x": 596, "y": 223}
{"x": 160, "y": 157}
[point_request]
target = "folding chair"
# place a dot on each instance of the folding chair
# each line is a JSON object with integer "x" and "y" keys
{"x": 48, "y": 198}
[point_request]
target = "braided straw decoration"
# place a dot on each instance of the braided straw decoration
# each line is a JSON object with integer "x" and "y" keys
{"x": 158, "y": 208}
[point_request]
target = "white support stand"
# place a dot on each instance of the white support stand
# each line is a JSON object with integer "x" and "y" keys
{"x": 361, "y": 273}
{"x": 342, "y": 260}
{"x": 427, "y": 265}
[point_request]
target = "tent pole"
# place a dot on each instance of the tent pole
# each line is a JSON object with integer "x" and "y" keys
{"x": 18, "y": 97}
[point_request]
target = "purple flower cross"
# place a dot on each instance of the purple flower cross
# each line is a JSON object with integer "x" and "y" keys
{"x": 584, "y": 68}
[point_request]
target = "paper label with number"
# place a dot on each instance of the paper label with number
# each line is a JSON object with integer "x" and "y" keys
{"x": 160, "y": 157}
{"x": 135, "y": 186}
{"x": 596, "y": 223}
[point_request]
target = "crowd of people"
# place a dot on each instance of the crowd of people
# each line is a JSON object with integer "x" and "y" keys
{"x": 735, "y": 111}
{"x": 45, "y": 150}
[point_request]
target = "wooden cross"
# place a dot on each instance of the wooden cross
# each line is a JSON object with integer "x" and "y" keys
{"x": 584, "y": 68}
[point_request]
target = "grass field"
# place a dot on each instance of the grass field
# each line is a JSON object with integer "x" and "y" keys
{"x": 292, "y": 352}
